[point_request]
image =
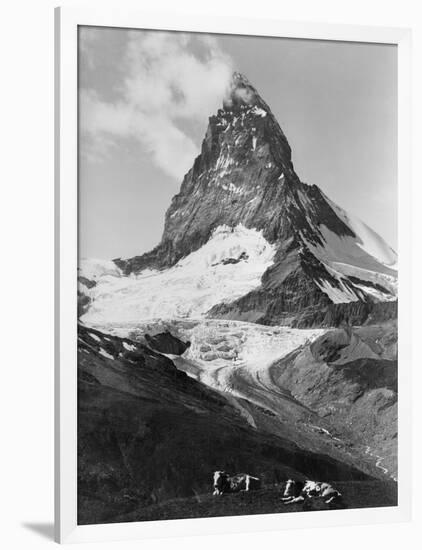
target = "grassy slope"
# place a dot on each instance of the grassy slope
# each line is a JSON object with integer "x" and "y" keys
{"x": 147, "y": 433}
{"x": 356, "y": 494}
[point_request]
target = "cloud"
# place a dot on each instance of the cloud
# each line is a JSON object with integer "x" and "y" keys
{"x": 169, "y": 81}
{"x": 86, "y": 39}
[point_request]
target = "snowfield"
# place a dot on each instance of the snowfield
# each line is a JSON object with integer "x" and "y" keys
{"x": 227, "y": 267}
{"x": 369, "y": 241}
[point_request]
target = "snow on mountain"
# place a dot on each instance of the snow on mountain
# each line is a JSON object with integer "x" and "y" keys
{"x": 245, "y": 239}
{"x": 227, "y": 267}
{"x": 362, "y": 259}
{"x": 367, "y": 238}
{"x": 346, "y": 263}
{"x": 223, "y": 350}
{"x": 94, "y": 269}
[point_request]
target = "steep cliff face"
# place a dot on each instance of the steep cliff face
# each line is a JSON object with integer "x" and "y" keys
{"x": 244, "y": 179}
{"x": 244, "y": 175}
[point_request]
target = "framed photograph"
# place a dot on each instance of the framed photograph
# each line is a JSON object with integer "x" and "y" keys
{"x": 232, "y": 207}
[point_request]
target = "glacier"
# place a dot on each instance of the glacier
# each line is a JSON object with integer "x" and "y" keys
{"x": 233, "y": 357}
{"x": 227, "y": 267}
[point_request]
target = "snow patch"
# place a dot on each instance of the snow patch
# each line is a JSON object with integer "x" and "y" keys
{"x": 105, "y": 354}
{"x": 389, "y": 282}
{"x": 258, "y": 111}
{"x": 338, "y": 295}
{"x": 232, "y": 188}
{"x": 129, "y": 347}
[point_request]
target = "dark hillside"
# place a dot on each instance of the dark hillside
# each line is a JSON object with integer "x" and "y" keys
{"x": 148, "y": 433}
{"x": 356, "y": 494}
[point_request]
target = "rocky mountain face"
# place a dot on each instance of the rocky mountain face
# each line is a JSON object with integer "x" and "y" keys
{"x": 165, "y": 342}
{"x": 349, "y": 378}
{"x": 244, "y": 176}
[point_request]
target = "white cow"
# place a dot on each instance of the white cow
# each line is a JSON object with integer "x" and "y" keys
{"x": 298, "y": 491}
{"x": 225, "y": 483}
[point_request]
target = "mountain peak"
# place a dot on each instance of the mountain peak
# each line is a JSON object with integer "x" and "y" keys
{"x": 244, "y": 177}
{"x": 240, "y": 92}
{"x": 238, "y": 77}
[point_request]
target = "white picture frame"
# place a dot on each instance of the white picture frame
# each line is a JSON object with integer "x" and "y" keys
{"x": 66, "y": 231}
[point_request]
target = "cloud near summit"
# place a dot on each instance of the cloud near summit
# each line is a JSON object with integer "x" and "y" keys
{"x": 170, "y": 80}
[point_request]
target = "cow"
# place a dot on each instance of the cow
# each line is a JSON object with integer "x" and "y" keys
{"x": 225, "y": 483}
{"x": 298, "y": 491}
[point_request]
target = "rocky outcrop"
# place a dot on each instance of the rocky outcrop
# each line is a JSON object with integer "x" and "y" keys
{"x": 84, "y": 300}
{"x": 165, "y": 342}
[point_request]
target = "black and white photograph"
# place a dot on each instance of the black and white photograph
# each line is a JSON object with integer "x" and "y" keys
{"x": 237, "y": 275}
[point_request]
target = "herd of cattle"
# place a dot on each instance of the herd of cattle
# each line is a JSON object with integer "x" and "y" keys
{"x": 294, "y": 491}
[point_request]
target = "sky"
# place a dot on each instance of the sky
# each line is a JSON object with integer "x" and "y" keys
{"x": 144, "y": 102}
